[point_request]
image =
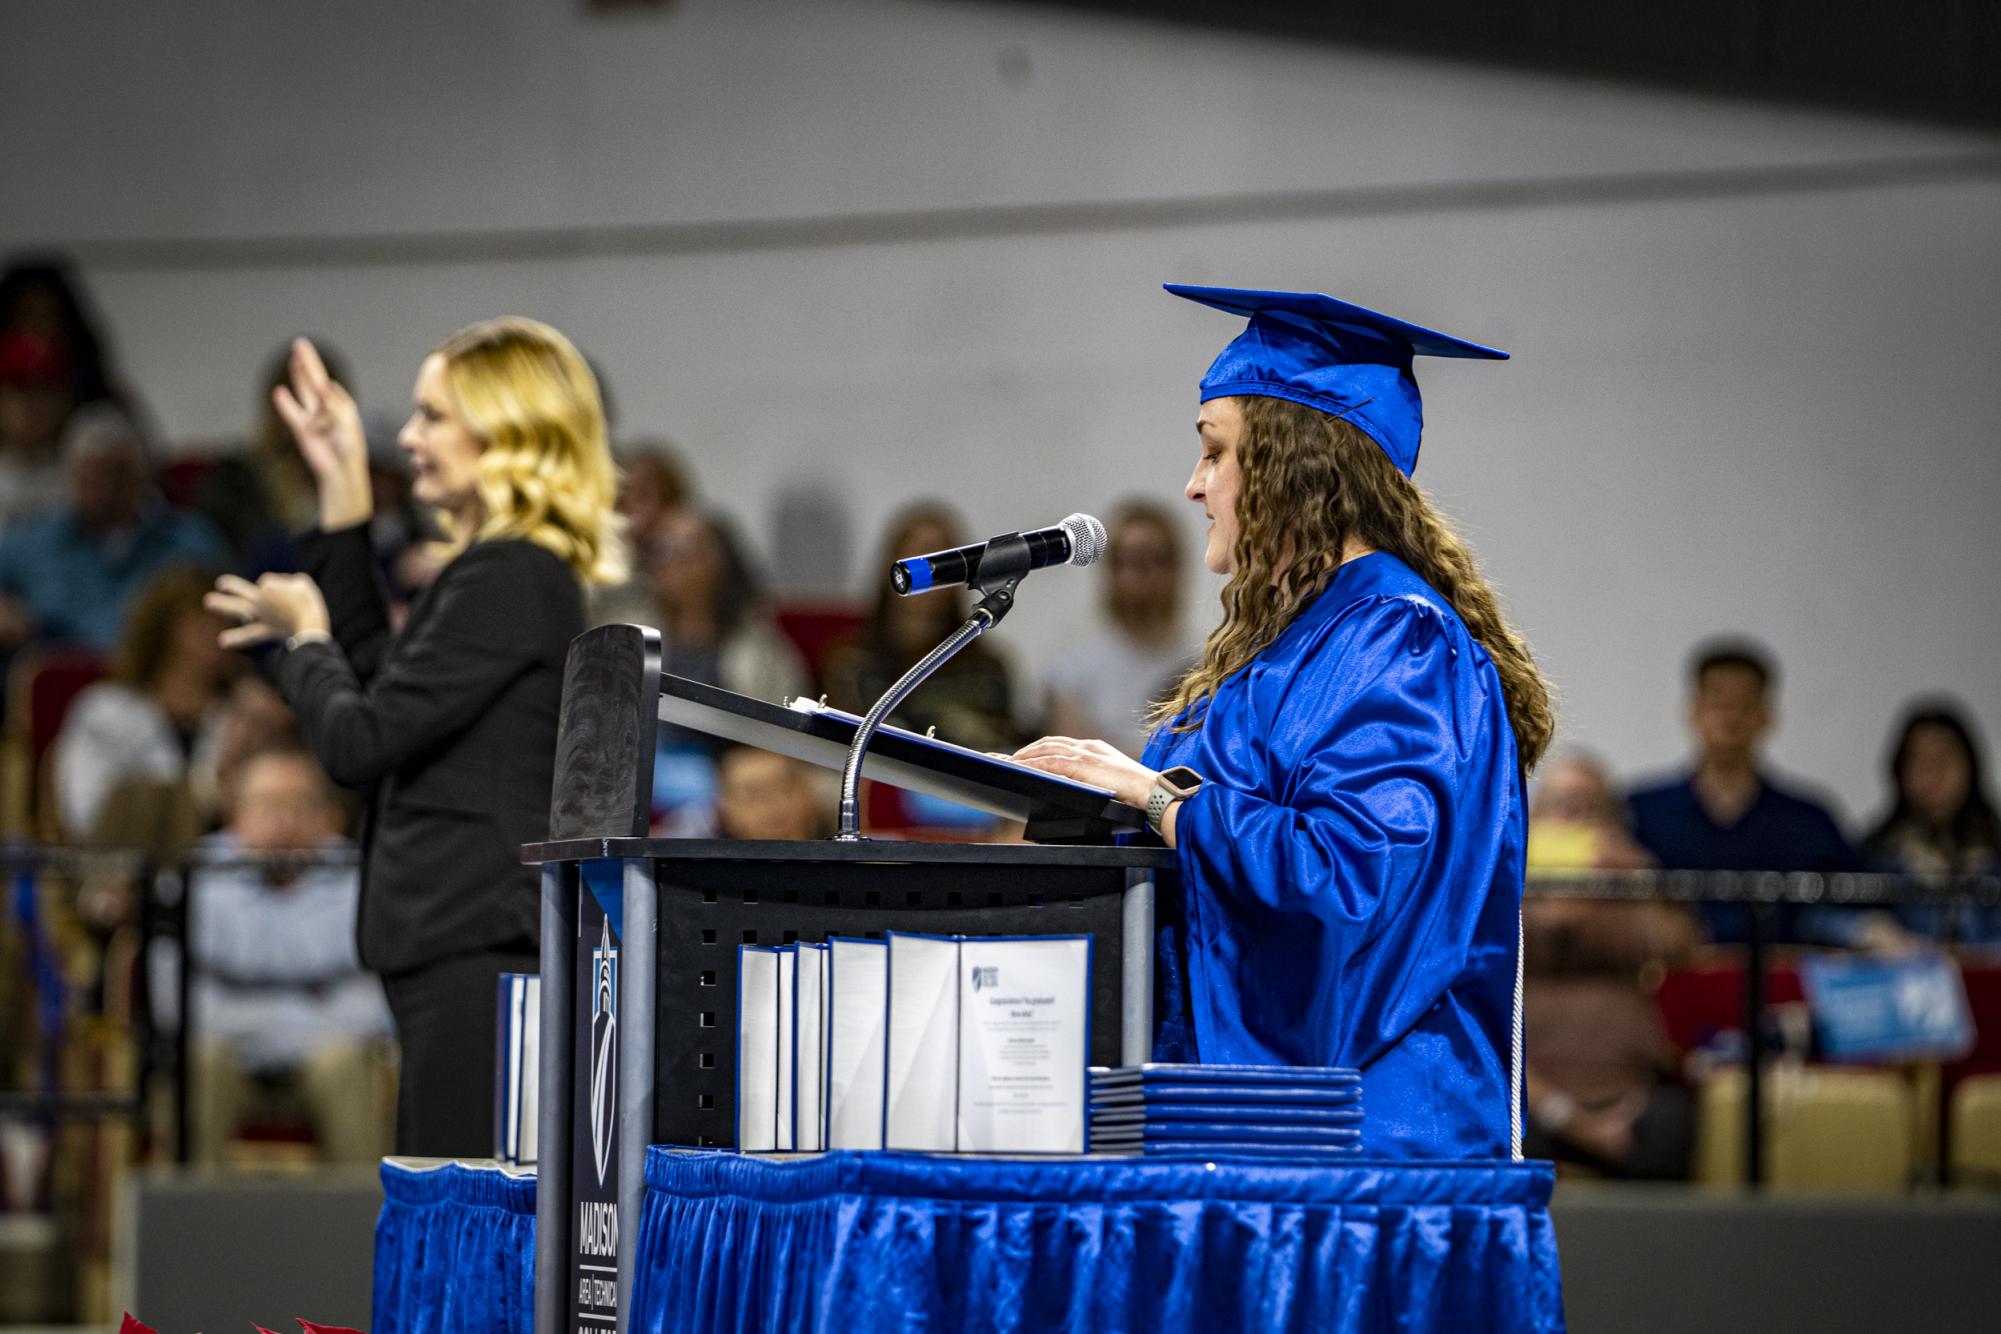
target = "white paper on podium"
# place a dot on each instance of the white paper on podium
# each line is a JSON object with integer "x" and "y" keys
{"x": 1024, "y": 1032}
{"x": 519, "y": 1068}
{"x": 921, "y": 1054}
{"x": 856, "y": 974}
{"x": 529, "y": 1126}
{"x": 788, "y": 967}
{"x": 809, "y": 1045}
{"x": 757, "y": 1010}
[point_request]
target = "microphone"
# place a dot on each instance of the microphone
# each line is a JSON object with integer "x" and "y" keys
{"x": 1078, "y": 540}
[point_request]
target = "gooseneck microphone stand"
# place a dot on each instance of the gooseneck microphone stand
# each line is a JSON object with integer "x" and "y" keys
{"x": 1002, "y": 568}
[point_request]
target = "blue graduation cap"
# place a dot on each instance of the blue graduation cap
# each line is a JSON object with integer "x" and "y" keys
{"x": 1352, "y": 363}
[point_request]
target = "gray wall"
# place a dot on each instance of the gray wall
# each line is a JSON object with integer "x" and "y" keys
{"x": 881, "y": 248}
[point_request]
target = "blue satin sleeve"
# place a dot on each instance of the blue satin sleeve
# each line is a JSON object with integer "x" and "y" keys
{"x": 1350, "y": 870}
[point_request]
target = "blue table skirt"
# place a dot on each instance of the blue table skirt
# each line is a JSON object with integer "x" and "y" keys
{"x": 454, "y": 1251}
{"x": 891, "y": 1241}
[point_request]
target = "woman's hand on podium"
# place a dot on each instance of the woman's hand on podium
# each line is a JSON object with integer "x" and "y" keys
{"x": 276, "y": 607}
{"x": 1098, "y": 763}
{"x": 327, "y": 426}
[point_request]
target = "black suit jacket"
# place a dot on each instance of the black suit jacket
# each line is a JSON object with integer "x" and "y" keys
{"x": 450, "y": 726}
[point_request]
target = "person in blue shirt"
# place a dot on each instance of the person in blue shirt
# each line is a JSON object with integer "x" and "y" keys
{"x": 1728, "y": 813}
{"x": 1341, "y": 775}
{"x": 68, "y": 575}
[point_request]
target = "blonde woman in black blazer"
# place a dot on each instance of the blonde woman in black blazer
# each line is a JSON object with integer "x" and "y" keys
{"x": 449, "y": 723}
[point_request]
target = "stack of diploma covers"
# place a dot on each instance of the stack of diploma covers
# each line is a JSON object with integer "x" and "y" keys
{"x": 517, "y": 1068}
{"x": 1243, "y": 1110}
{"x": 950, "y": 1044}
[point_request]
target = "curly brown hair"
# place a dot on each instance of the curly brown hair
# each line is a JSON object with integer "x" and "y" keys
{"x": 1310, "y": 484}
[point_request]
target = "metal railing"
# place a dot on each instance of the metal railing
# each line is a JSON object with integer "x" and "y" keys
{"x": 1762, "y": 894}
{"x": 161, "y": 894}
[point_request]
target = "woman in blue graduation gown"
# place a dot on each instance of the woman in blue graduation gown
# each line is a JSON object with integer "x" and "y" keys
{"x": 1342, "y": 773}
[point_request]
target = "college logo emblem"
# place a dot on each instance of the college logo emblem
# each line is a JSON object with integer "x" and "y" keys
{"x": 986, "y": 975}
{"x": 604, "y": 1049}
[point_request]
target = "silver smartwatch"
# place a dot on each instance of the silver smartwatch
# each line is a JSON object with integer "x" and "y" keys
{"x": 1172, "y": 785}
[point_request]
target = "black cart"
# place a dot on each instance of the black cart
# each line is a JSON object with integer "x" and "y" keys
{"x": 640, "y": 935}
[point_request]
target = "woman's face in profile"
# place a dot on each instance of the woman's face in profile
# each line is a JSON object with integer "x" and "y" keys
{"x": 443, "y": 451}
{"x": 1214, "y": 483}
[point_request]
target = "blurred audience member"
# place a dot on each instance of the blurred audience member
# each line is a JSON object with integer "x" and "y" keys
{"x": 715, "y": 627}
{"x": 253, "y": 717}
{"x": 283, "y": 1013}
{"x": 1102, "y": 685}
{"x": 51, "y": 360}
{"x": 1729, "y": 814}
{"x": 761, "y": 794}
{"x": 1602, "y": 1079}
{"x": 1576, "y": 820}
{"x": 69, "y": 574}
{"x": 40, "y": 296}
{"x": 143, "y": 733}
{"x": 259, "y": 498}
{"x": 1941, "y": 820}
{"x": 970, "y": 700}
{"x": 35, "y": 400}
{"x": 714, "y": 622}
{"x": 653, "y": 489}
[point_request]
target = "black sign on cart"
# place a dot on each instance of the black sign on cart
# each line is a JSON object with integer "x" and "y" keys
{"x": 641, "y": 934}
{"x": 594, "y": 1103}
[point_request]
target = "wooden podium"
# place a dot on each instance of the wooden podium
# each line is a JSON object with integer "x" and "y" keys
{"x": 640, "y": 935}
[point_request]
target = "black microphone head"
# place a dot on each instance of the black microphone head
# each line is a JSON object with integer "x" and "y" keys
{"x": 1087, "y": 538}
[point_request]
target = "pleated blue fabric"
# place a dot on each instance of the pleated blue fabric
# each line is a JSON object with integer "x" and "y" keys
{"x": 454, "y": 1251}
{"x": 908, "y": 1242}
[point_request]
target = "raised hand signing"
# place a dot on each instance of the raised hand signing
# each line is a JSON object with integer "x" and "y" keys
{"x": 326, "y": 423}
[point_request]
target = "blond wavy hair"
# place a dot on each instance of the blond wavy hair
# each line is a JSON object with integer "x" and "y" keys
{"x": 546, "y": 474}
{"x": 1310, "y": 484}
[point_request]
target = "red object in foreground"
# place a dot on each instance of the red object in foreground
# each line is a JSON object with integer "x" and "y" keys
{"x": 130, "y": 1326}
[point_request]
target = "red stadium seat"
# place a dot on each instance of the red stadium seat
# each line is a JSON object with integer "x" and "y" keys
{"x": 1706, "y": 998}
{"x": 815, "y": 627}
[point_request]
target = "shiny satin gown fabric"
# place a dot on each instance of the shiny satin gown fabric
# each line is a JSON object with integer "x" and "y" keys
{"x": 1350, "y": 874}
{"x": 905, "y": 1242}
{"x": 454, "y": 1250}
